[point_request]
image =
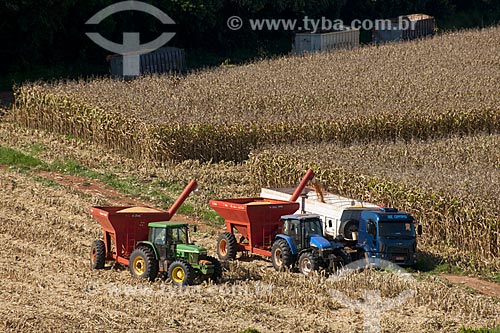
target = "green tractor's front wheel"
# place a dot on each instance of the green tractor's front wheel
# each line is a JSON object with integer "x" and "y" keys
{"x": 143, "y": 263}
{"x": 181, "y": 273}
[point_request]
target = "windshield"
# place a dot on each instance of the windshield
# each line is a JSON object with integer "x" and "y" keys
{"x": 179, "y": 236}
{"x": 313, "y": 227}
{"x": 396, "y": 229}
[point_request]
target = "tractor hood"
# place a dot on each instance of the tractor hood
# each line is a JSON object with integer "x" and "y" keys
{"x": 320, "y": 242}
{"x": 191, "y": 248}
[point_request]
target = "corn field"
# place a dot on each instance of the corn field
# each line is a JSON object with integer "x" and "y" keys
{"x": 423, "y": 89}
{"x": 53, "y": 289}
{"x": 452, "y": 186}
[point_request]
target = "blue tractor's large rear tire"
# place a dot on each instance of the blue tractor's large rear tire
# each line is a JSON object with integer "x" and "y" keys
{"x": 281, "y": 255}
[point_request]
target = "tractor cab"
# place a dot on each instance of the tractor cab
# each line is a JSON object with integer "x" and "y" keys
{"x": 302, "y": 243}
{"x": 301, "y": 228}
{"x": 171, "y": 240}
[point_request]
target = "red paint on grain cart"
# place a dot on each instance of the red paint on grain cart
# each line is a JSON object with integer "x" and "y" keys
{"x": 256, "y": 219}
{"x": 123, "y": 227}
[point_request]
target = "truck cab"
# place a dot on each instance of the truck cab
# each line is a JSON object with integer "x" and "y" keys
{"x": 388, "y": 234}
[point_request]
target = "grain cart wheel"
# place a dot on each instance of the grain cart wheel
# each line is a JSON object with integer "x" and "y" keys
{"x": 308, "y": 263}
{"x": 181, "y": 273}
{"x": 281, "y": 255}
{"x": 143, "y": 263}
{"x": 217, "y": 274}
{"x": 227, "y": 246}
{"x": 97, "y": 254}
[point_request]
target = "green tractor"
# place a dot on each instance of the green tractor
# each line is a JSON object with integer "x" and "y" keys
{"x": 168, "y": 250}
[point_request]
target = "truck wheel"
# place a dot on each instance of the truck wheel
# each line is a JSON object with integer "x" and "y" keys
{"x": 226, "y": 246}
{"x": 281, "y": 255}
{"x": 348, "y": 227}
{"x": 217, "y": 275}
{"x": 143, "y": 263}
{"x": 308, "y": 263}
{"x": 97, "y": 254}
{"x": 346, "y": 257}
{"x": 181, "y": 273}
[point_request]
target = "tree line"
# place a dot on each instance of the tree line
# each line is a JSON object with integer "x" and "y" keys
{"x": 42, "y": 34}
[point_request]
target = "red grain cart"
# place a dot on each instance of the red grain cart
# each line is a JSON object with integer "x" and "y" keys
{"x": 124, "y": 227}
{"x": 257, "y": 220}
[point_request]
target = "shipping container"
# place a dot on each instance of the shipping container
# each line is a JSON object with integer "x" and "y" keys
{"x": 324, "y": 41}
{"x": 163, "y": 60}
{"x": 406, "y": 27}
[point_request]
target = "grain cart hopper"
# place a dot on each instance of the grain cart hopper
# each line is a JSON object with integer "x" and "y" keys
{"x": 365, "y": 229}
{"x": 145, "y": 240}
{"x": 265, "y": 227}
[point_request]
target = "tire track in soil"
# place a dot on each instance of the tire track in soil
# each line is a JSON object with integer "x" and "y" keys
{"x": 482, "y": 286}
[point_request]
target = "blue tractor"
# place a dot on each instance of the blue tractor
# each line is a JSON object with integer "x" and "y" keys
{"x": 302, "y": 245}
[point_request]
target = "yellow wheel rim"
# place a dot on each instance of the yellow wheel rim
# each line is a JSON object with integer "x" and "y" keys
{"x": 223, "y": 247}
{"x": 178, "y": 274}
{"x": 139, "y": 266}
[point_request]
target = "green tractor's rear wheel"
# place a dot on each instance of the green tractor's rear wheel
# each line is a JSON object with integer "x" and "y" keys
{"x": 227, "y": 246}
{"x": 181, "y": 273}
{"x": 97, "y": 254}
{"x": 217, "y": 274}
{"x": 143, "y": 263}
{"x": 308, "y": 263}
{"x": 281, "y": 255}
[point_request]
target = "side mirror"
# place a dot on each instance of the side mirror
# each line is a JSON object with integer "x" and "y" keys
{"x": 419, "y": 230}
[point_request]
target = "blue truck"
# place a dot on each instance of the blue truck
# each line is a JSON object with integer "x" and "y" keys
{"x": 360, "y": 229}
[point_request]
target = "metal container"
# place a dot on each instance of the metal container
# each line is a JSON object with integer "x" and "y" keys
{"x": 163, "y": 60}
{"x": 415, "y": 26}
{"x": 323, "y": 41}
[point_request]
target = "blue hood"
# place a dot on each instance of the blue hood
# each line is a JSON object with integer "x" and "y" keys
{"x": 320, "y": 242}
